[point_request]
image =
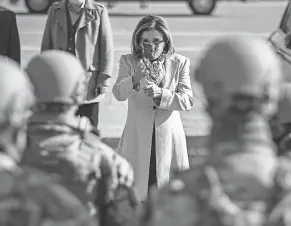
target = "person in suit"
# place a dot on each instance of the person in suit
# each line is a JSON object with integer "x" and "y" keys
{"x": 82, "y": 28}
{"x": 9, "y": 38}
{"x": 156, "y": 82}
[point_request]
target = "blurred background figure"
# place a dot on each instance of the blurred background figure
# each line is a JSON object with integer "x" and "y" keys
{"x": 82, "y": 28}
{"x": 9, "y": 38}
{"x": 58, "y": 144}
{"x": 156, "y": 82}
{"x": 235, "y": 182}
{"x": 16, "y": 101}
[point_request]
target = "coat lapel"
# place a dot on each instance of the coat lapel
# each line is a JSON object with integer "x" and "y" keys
{"x": 87, "y": 16}
{"x": 135, "y": 62}
{"x": 171, "y": 67}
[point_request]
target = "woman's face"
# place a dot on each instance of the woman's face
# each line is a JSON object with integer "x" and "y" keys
{"x": 152, "y": 44}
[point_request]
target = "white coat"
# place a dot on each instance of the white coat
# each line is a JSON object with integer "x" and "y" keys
{"x": 143, "y": 114}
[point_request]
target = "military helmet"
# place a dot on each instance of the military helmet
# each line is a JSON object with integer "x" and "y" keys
{"x": 240, "y": 66}
{"x": 58, "y": 77}
{"x": 284, "y": 106}
{"x": 16, "y": 93}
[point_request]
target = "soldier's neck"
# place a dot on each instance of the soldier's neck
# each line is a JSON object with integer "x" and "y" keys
{"x": 251, "y": 130}
{"x": 68, "y": 115}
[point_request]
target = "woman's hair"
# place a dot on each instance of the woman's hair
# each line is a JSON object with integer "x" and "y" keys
{"x": 147, "y": 23}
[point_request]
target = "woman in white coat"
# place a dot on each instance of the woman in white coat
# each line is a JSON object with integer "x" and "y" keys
{"x": 156, "y": 83}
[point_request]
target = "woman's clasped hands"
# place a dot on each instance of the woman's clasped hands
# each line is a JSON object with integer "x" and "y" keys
{"x": 140, "y": 72}
{"x": 151, "y": 89}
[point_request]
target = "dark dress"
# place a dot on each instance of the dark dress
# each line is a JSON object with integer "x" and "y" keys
{"x": 153, "y": 170}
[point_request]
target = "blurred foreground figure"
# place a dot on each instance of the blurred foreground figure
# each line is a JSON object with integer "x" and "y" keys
{"x": 58, "y": 143}
{"x": 16, "y": 100}
{"x": 241, "y": 79}
{"x": 27, "y": 197}
{"x": 32, "y": 198}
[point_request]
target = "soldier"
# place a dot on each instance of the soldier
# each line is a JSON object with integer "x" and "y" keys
{"x": 16, "y": 100}
{"x": 59, "y": 144}
{"x": 241, "y": 79}
{"x": 27, "y": 197}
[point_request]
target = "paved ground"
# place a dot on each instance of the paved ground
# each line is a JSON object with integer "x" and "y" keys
{"x": 191, "y": 35}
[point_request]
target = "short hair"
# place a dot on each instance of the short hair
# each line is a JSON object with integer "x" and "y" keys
{"x": 152, "y": 22}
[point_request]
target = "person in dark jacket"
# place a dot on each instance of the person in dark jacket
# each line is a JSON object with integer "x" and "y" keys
{"x": 9, "y": 38}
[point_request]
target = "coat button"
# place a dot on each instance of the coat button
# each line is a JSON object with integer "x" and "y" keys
{"x": 154, "y": 107}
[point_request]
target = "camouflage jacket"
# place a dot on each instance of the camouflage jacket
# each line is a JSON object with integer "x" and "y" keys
{"x": 196, "y": 197}
{"x": 89, "y": 168}
{"x": 63, "y": 148}
{"x": 31, "y": 198}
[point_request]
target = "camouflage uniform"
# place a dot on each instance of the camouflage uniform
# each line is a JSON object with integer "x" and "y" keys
{"x": 61, "y": 143}
{"x": 31, "y": 198}
{"x": 28, "y": 197}
{"x": 241, "y": 79}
